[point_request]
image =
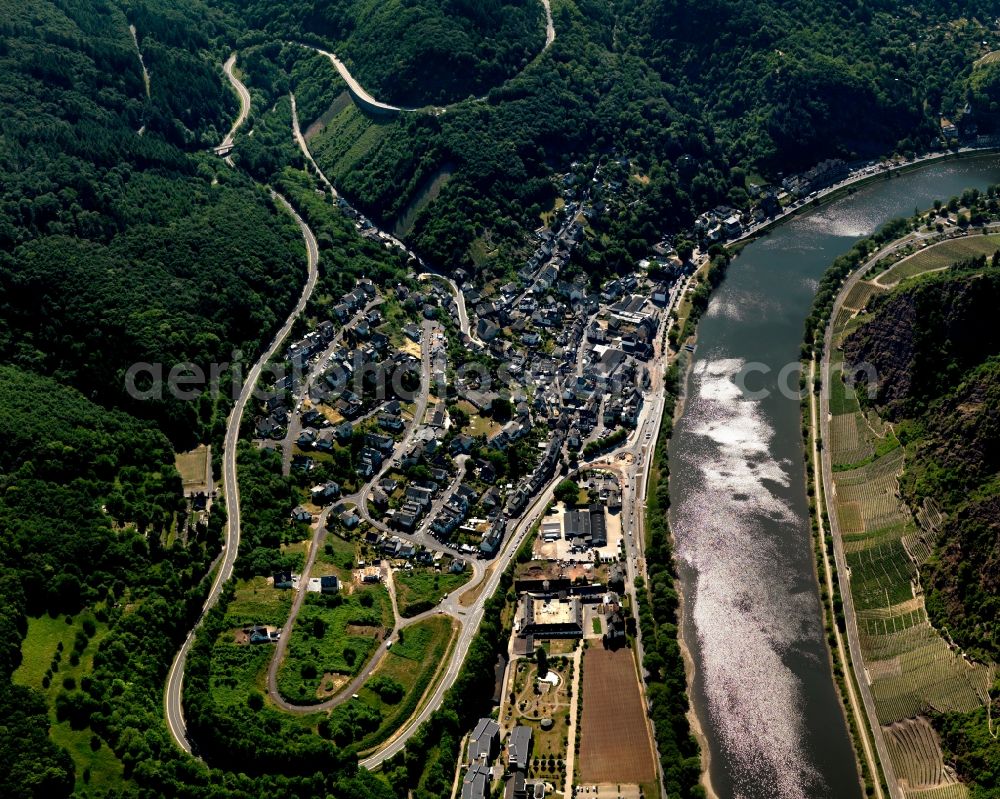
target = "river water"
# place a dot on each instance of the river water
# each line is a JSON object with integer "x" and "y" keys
{"x": 763, "y": 690}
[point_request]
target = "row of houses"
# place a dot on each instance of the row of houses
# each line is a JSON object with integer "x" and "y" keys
{"x": 484, "y": 749}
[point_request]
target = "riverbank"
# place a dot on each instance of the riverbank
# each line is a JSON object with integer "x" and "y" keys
{"x": 689, "y": 662}
{"x": 851, "y": 184}
{"x": 869, "y": 765}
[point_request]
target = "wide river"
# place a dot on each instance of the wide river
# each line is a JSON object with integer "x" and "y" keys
{"x": 763, "y": 689}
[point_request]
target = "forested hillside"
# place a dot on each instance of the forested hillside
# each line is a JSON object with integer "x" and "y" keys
{"x": 122, "y": 239}
{"x": 785, "y": 84}
{"x": 441, "y": 50}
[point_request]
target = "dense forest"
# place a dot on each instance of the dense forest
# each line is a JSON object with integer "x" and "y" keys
{"x": 442, "y": 50}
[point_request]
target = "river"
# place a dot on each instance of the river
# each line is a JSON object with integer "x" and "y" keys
{"x": 762, "y": 686}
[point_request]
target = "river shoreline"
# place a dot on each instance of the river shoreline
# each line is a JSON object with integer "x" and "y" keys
{"x": 801, "y": 255}
{"x": 690, "y": 668}
{"x": 852, "y": 184}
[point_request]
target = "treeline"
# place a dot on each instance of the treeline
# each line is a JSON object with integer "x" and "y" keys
{"x": 666, "y": 683}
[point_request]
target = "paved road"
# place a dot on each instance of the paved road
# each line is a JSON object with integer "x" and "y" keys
{"x": 230, "y": 485}
{"x": 244, "y": 96}
{"x": 301, "y": 141}
{"x": 173, "y": 695}
{"x": 855, "y": 705}
{"x": 366, "y": 99}
{"x": 456, "y": 292}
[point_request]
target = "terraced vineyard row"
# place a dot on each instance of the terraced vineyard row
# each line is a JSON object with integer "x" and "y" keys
{"x": 954, "y": 791}
{"x": 909, "y": 666}
{"x": 849, "y": 440}
{"x": 860, "y": 295}
{"x": 929, "y": 677}
{"x": 939, "y": 256}
{"x": 916, "y": 755}
{"x": 881, "y": 576}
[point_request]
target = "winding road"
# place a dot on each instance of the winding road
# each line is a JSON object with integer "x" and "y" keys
{"x": 173, "y": 695}
{"x": 244, "y": 96}
{"x": 364, "y": 98}
{"x": 485, "y": 580}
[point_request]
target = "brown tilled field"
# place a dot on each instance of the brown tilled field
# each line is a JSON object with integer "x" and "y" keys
{"x": 614, "y": 741}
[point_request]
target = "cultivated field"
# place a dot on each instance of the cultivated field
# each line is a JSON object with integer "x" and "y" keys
{"x": 614, "y": 744}
{"x": 939, "y": 256}
{"x": 915, "y": 752}
{"x": 859, "y": 296}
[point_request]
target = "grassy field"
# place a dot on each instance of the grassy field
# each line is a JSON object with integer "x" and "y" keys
{"x": 422, "y": 588}
{"x": 842, "y": 400}
{"x": 56, "y": 654}
{"x": 258, "y": 602}
{"x": 193, "y": 465}
{"x": 333, "y": 635}
{"x": 407, "y": 671}
{"x": 939, "y": 256}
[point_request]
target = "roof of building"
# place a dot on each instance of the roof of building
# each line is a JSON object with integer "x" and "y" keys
{"x": 519, "y": 746}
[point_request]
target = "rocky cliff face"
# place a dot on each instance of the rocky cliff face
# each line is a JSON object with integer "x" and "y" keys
{"x": 935, "y": 346}
{"x": 923, "y": 338}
